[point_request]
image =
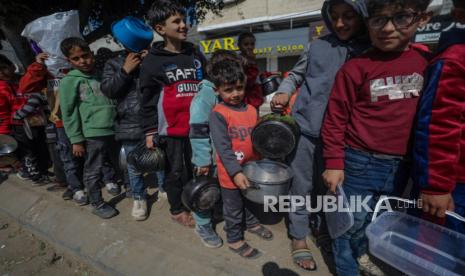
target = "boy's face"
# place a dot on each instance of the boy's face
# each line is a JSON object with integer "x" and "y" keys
{"x": 345, "y": 22}
{"x": 7, "y": 73}
{"x": 232, "y": 93}
{"x": 392, "y": 28}
{"x": 247, "y": 46}
{"x": 81, "y": 60}
{"x": 174, "y": 28}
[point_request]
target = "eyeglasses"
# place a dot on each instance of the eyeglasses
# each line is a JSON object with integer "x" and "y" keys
{"x": 400, "y": 20}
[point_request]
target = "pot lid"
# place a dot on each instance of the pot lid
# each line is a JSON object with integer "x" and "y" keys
{"x": 7, "y": 144}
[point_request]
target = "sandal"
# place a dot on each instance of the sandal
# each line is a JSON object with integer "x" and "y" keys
{"x": 303, "y": 254}
{"x": 262, "y": 232}
{"x": 242, "y": 250}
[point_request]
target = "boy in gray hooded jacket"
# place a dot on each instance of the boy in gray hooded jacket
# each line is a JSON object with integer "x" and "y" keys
{"x": 316, "y": 71}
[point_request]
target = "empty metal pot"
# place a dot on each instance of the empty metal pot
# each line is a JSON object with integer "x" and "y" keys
{"x": 8, "y": 144}
{"x": 267, "y": 178}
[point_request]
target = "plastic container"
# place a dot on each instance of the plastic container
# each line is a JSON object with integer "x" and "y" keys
{"x": 133, "y": 33}
{"x": 415, "y": 246}
{"x": 342, "y": 219}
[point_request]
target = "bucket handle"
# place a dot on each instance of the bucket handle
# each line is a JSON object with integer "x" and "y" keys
{"x": 384, "y": 198}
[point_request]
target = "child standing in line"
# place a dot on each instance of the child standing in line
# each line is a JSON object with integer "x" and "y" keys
{"x": 88, "y": 118}
{"x": 253, "y": 90}
{"x": 233, "y": 151}
{"x": 7, "y": 93}
{"x": 169, "y": 79}
{"x": 369, "y": 119}
{"x": 203, "y": 153}
{"x": 439, "y": 151}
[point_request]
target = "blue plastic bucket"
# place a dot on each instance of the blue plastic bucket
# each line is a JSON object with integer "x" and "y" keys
{"x": 133, "y": 33}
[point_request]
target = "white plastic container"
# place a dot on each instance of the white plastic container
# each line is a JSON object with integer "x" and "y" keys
{"x": 341, "y": 220}
{"x": 415, "y": 246}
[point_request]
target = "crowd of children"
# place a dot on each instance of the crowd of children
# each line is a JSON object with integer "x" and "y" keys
{"x": 380, "y": 102}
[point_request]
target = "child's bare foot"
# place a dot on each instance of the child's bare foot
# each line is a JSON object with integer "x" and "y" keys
{"x": 184, "y": 218}
{"x": 302, "y": 256}
{"x": 244, "y": 250}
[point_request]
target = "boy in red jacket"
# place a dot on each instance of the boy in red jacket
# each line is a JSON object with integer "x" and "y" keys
{"x": 7, "y": 93}
{"x": 439, "y": 151}
{"x": 370, "y": 116}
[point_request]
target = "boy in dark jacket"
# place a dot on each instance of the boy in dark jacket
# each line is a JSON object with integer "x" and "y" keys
{"x": 439, "y": 152}
{"x": 88, "y": 117}
{"x": 120, "y": 81}
{"x": 169, "y": 79}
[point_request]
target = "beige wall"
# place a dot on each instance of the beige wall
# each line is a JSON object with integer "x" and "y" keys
{"x": 250, "y": 9}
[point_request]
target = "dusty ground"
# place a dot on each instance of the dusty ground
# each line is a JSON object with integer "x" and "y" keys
{"x": 22, "y": 253}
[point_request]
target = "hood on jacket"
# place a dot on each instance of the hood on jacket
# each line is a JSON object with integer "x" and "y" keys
{"x": 359, "y": 7}
{"x": 158, "y": 49}
{"x": 79, "y": 74}
{"x": 451, "y": 37}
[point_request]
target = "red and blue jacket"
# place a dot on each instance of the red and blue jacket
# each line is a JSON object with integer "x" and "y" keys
{"x": 439, "y": 146}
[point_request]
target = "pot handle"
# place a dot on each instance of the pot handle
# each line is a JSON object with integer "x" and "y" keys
{"x": 254, "y": 186}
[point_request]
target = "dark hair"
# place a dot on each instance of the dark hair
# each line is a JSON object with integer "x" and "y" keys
{"x": 162, "y": 10}
{"x": 243, "y": 36}
{"x": 226, "y": 72}
{"x": 69, "y": 43}
{"x": 221, "y": 55}
{"x": 459, "y": 3}
{"x": 374, "y": 6}
{"x": 5, "y": 62}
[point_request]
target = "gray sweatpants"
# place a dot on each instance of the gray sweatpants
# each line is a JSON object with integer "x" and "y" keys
{"x": 307, "y": 164}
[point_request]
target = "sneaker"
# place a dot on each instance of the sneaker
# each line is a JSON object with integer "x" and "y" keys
{"x": 139, "y": 209}
{"x": 23, "y": 175}
{"x": 113, "y": 189}
{"x": 80, "y": 198}
{"x": 208, "y": 236}
{"x": 104, "y": 211}
{"x": 367, "y": 267}
{"x": 58, "y": 186}
{"x": 67, "y": 195}
{"x": 40, "y": 180}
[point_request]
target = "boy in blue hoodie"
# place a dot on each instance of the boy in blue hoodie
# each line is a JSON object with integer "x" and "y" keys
{"x": 344, "y": 18}
{"x": 203, "y": 153}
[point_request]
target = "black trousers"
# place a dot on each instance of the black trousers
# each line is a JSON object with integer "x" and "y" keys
{"x": 178, "y": 170}
{"x": 99, "y": 154}
{"x": 33, "y": 153}
{"x": 236, "y": 216}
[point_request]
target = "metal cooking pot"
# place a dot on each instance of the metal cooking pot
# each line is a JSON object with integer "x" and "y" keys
{"x": 201, "y": 193}
{"x": 275, "y": 136}
{"x": 267, "y": 178}
{"x": 8, "y": 144}
{"x": 271, "y": 84}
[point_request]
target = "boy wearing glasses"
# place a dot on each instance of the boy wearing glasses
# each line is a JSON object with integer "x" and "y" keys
{"x": 370, "y": 116}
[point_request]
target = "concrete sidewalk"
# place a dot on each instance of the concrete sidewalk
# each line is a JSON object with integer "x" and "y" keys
{"x": 157, "y": 246}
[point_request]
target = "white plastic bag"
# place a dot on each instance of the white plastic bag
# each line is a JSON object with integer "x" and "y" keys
{"x": 49, "y": 31}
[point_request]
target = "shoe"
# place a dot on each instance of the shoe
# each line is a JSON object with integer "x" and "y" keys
{"x": 23, "y": 175}
{"x": 113, "y": 189}
{"x": 67, "y": 195}
{"x": 80, "y": 198}
{"x": 104, "y": 211}
{"x": 366, "y": 266}
{"x": 58, "y": 186}
{"x": 128, "y": 193}
{"x": 139, "y": 209}
{"x": 208, "y": 236}
{"x": 40, "y": 180}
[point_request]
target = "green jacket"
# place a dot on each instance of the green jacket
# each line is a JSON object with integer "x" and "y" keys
{"x": 86, "y": 112}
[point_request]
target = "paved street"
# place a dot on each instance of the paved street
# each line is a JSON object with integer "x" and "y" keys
{"x": 157, "y": 246}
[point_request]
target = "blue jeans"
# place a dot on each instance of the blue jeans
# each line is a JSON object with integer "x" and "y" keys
{"x": 365, "y": 175}
{"x": 136, "y": 178}
{"x": 459, "y": 200}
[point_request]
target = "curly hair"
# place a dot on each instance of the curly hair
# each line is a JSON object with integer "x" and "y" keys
{"x": 375, "y": 6}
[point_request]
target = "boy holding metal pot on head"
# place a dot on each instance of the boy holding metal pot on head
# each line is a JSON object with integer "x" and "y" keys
{"x": 120, "y": 82}
{"x": 231, "y": 123}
